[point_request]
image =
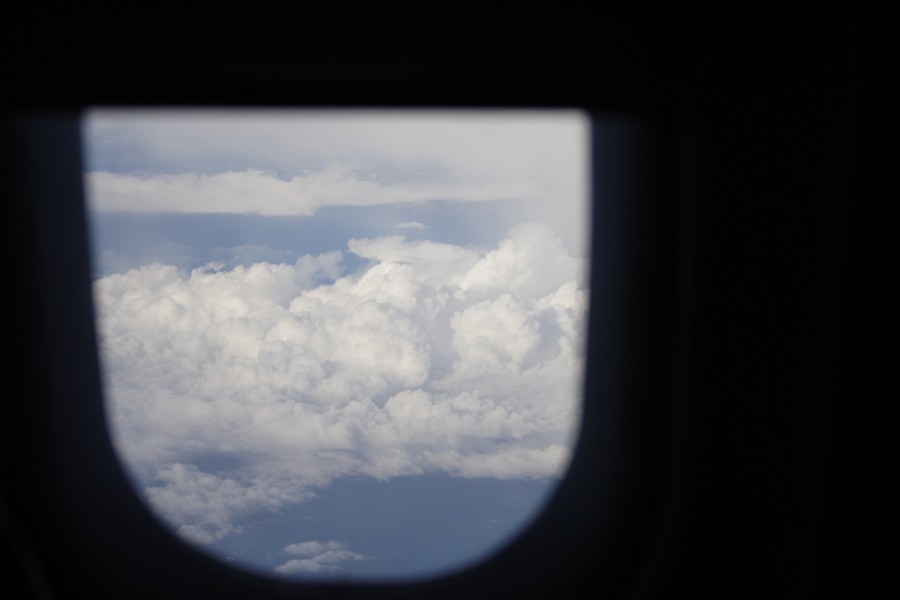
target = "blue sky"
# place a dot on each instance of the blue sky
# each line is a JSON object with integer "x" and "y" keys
{"x": 341, "y": 344}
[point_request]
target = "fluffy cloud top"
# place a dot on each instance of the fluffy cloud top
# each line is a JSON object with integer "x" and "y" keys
{"x": 233, "y": 392}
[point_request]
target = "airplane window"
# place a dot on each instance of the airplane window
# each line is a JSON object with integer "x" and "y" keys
{"x": 341, "y": 344}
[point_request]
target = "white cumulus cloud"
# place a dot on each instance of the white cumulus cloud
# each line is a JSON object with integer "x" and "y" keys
{"x": 235, "y": 392}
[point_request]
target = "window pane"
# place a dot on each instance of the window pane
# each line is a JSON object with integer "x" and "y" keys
{"x": 341, "y": 344}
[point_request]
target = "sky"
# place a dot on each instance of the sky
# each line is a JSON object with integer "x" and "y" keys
{"x": 341, "y": 344}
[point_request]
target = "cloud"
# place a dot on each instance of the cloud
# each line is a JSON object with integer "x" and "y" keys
{"x": 264, "y": 193}
{"x": 316, "y": 557}
{"x": 412, "y": 225}
{"x": 397, "y": 145}
{"x": 236, "y": 392}
{"x": 396, "y": 249}
{"x": 293, "y": 162}
{"x": 530, "y": 262}
{"x": 205, "y": 506}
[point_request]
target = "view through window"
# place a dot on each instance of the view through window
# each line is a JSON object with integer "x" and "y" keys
{"x": 342, "y": 344}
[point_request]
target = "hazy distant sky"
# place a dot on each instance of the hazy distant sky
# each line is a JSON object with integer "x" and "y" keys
{"x": 312, "y": 320}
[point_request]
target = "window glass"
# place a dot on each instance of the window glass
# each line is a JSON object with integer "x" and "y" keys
{"x": 341, "y": 344}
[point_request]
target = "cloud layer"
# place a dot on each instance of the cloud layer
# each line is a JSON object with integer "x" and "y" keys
{"x": 295, "y": 162}
{"x": 264, "y": 193}
{"x": 234, "y": 392}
